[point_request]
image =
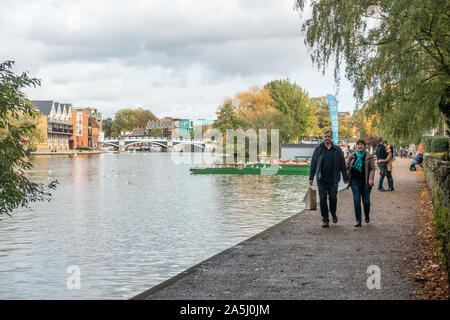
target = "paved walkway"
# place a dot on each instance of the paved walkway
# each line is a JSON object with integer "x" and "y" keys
{"x": 298, "y": 259}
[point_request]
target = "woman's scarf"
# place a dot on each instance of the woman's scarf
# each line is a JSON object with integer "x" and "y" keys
{"x": 358, "y": 163}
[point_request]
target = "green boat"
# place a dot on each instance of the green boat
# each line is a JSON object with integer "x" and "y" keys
{"x": 259, "y": 169}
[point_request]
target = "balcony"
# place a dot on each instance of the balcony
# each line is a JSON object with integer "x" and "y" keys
{"x": 64, "y": 131}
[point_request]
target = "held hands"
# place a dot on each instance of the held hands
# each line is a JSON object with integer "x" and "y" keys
{"x": 310, "y": 182}
{"x": 371, "y": 183}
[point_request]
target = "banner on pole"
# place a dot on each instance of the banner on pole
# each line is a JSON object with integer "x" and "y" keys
{"x": 333, "y": 106}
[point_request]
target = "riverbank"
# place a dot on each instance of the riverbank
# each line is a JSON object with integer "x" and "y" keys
{"x": 67, "y": 152}
{"x": 298, "y": 259}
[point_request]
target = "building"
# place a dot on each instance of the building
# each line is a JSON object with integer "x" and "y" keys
{"x": 297, "y": 151}
{"x": 138, "y": 132}
{"x": 167, "y": 125}
{"x": 55, "y": 124}
{"x": 182, "y": 128}
{"x": 87, "y": 124}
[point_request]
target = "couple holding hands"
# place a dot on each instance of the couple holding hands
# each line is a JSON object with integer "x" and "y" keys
{"x": 328, "y": 163}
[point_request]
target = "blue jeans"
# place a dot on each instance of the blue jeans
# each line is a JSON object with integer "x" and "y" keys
{"x": 360, "y": 190}
{"x": 327, "y": 190}
{"x": 380, "y": 182}
{"x": 413, "y": 165}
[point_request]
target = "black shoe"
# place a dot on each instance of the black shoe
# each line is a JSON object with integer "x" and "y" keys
{"x": 367, "y": 219}
{"x": 390, "y": 189}
{"x": 335, "y": 218}
{"x": 358, "y": 224}
{"x": 325, "y": 223}
{"x": 382, "y": 190}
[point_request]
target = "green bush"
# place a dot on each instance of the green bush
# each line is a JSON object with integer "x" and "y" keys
{"x": 439, "y": 144}
{"x": 441, "y": 225}
{"x": 428, "y": 142}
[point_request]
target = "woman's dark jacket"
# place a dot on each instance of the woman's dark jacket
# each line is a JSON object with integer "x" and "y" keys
{"x": 339, "y": 163}
{"x": 369, "y": 166}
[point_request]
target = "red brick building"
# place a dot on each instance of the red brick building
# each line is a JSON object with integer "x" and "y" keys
{"x": 87, "y": 126}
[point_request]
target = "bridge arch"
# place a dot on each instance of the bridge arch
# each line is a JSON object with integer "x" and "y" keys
{"x": 114, "y": 144}
{"x": 147, "y": 142}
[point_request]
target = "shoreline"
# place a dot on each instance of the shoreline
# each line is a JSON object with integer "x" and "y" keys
{"x": 65, "y": 153}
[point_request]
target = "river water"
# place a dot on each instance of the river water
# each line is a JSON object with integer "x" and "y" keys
{"x": 126, "y": 222}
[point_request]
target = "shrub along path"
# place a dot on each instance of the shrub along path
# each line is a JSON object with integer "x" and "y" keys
{"x": 298, "y": 259}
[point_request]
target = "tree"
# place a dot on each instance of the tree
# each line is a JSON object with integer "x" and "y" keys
{"x": 35, "y": 135}
{"x": 16, "y": 190}
{"x": 321, "y": 120}
{"x": 129, "y": 119}
{"x": 143, "y": 117}
{"x": 395, "y": 52}
{"x": 295, "y": 107}
{"x": 156, "y": 132}
{"x": 254, "y": 106}
{"x": 345, "y": 126}
{"x": 365, "y": 123}
{"x": 320, "y": 116}
{"x": 107, "y": 126}
{"x": 226, "y": 117}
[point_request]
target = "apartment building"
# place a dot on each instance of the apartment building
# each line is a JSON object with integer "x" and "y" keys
{"x": 55, "y": 124}
{"x": 87, "y": 125}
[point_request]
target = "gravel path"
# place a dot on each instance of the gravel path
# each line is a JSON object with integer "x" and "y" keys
{"x": 298, "y": 259}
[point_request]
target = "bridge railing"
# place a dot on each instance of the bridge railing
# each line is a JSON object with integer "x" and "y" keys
{"x": 154, "y": 138}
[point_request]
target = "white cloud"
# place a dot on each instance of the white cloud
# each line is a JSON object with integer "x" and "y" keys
{"x": 178, "y": 58}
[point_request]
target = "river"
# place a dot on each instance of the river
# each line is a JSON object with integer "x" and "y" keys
{"x": 128, "y": 221}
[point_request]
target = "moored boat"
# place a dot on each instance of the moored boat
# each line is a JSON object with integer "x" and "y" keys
{"x": 276, "y": 167}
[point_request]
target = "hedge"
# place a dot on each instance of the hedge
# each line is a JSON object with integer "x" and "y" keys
{"x": 439, "y": 144}
{"x": 428, "y": 142}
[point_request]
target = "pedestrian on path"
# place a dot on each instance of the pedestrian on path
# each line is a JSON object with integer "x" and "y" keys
{"x": 361, "y": 171}
{"x": 418, "y": 160}
{"x": 381, "y": 155}
{"x": 327, "y": 164}
{"x": 388, "y": 163}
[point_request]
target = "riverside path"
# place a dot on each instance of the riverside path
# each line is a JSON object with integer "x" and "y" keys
{"x": 298, "y": 259}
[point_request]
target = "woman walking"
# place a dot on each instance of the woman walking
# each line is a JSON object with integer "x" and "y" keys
{"x": 361, "y": 170}
{"x": 388, "y": 162}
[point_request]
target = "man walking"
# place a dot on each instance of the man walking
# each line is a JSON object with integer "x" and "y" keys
{"x": 327, "y": 164}
{"x": 381, "y": 155}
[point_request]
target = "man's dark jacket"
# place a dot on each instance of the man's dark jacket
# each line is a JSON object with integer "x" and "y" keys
{"x": 339, "y": 163}
{"x": 381, "y": 152}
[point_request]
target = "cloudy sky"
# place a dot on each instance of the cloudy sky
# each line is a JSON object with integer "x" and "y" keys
{"x": 178, "y": 58}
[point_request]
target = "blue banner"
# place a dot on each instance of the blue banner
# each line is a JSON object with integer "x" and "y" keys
{"x": 333, "y": 105}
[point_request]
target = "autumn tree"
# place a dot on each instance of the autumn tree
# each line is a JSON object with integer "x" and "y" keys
{"x": 16, "y": 189}
{"x": 395, "y": 52}
{"x": 365, "y": 123}
{"x": 256, "y": 107}
{"x": 143, "y": 117}
{"x": 320, "y": 116}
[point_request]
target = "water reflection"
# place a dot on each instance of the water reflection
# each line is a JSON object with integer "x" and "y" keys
{"x": 130, "y": 222}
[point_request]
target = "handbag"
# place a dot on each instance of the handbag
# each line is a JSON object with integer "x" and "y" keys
{"x": 310, "y": 199}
